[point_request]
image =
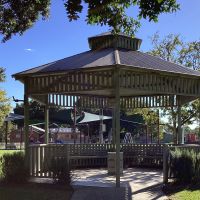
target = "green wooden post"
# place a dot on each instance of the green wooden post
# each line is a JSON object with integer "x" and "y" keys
{"x": 165, "y": 163}
{"x": 179, "y": 122}
{"x": 46, "y": 122}
{"x": 117, "y": 126}
{"x": 113, "y": 126}
{"x": 26, "y": 122}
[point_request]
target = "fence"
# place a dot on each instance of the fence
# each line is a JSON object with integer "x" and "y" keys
{"x": 92, "y": 155}
{"x": 167, "y": 158}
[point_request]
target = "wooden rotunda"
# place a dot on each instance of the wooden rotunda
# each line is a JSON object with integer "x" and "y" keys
{"x": 112, "y": 74}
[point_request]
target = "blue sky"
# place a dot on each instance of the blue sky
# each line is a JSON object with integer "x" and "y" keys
{"x": 57, "y": 38}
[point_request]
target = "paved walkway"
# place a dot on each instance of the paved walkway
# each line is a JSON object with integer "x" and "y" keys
{"x": 136, "y": 184}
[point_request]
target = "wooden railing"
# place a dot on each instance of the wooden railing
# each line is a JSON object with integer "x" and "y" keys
{"x": 92, "y": 155}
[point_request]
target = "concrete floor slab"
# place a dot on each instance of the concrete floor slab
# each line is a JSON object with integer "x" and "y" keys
{"x": 136, "y": 184}
{"x": 96, "y": 184}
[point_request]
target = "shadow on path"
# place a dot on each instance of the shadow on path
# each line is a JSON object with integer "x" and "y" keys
{"x": 136, "y": 184}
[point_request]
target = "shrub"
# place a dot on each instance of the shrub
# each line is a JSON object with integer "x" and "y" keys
{"x": 13, "y": 168}
{"x": 196, "y": 177}
{"x": 62, "y": 173}
{"x": 185, "y": 165}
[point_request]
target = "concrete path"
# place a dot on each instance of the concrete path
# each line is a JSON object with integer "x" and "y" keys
{"x": 136, "y": 184}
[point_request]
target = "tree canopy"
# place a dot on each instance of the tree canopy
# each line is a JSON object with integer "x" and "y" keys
{"x": 172, "y": 48}
{"x": 36, "y": 114}
{"x": 4, "y": 104}
{"x": 4, "y": 101}
{"x": 16, "y": 16}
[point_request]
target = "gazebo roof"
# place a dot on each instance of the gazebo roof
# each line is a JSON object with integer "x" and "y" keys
{"x": 110, "y": 55}
{"x": 106, "y": 57}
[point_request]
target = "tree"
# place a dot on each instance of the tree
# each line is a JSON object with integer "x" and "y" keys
{"x": 4, "y": 104}
{"x": 173, "y": 49}
{"x": 151, "y": 118}
{"x": 2, "y": 74}
{"x": 36, "y": 114}
{"x": 16, "y": 16}
{"x": 4, "y": 101}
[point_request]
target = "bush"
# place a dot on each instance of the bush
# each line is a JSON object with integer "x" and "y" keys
{"x": 196, "y": 164}
{"x": 13, "y": 168}
{"x": 62, "y": 173}
{"x": 185, "y": 165}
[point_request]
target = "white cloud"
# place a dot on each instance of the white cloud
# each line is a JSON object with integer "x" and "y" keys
{"x": 29, "y": 50}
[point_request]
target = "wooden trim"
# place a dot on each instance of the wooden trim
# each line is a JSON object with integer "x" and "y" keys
{"x": 83, "y": 81}
{"x": 71, "y": 82}
{"x": 159, "y": 83}
{"x": 105, "y": 102}
{"x": 26, "y": 121}
{"x": 47, "y": 121}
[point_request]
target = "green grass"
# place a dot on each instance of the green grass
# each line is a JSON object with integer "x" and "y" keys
{"x": 186, "y": 195}
{"x": 34, "y": 191}
{"x": 177, "y": 191}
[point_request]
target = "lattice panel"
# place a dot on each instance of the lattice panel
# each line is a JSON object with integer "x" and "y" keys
{"x": 157, "y": 83}
{"x": 71, "y": 82}
{"x": 105, "y": 102}
{"x": 80, "y": 101}
{"x": 77, "y": 82}
{"x": 148, "y": 102}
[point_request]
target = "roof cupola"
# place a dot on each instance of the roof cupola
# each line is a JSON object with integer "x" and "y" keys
{"x": 109, "y": 40}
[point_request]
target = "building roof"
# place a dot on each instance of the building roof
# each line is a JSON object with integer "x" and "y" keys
{"x": 107, "y": 57}
{"x": 13, "y": 117}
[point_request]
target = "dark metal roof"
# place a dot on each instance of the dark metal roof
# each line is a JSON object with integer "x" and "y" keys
{"x": 147, "y": 61}
{"x": 110, "y": 33}
{"x": 106, "y": 57}
{"x": 82, "y": 60}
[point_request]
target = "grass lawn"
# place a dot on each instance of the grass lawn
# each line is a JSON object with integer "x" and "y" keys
{"x": 33, "y": 191}
{"x": 186, "y": 195}
{"x": 180, "y": 192}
